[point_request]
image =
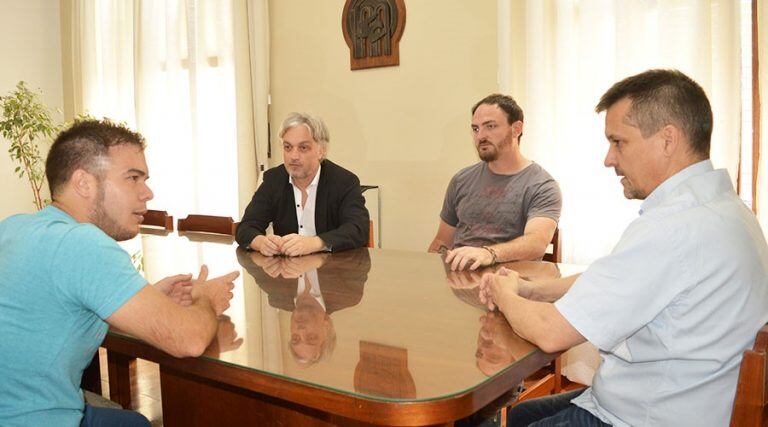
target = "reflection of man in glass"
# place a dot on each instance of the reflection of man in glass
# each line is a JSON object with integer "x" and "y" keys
{"x": 497, "y": 344}
{"x": 313, "y": 337}
{"x": 311, "y": 287}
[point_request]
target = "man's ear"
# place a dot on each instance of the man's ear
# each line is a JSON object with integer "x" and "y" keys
{"x": 517, "y": 128}
{"x": 673, "y": 139}
{"x": 84, "y": 184}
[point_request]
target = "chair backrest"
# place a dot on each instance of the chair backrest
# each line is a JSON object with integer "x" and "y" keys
{"x": 208, "y": 224}
{"x": 370, "y": 234}
{"x": 750, "y": 406}
{"x": 554, "y": 256}
{"x": 158, "y": 219}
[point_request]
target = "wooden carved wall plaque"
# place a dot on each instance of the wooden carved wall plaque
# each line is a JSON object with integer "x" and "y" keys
{"x": 372, "y": 30}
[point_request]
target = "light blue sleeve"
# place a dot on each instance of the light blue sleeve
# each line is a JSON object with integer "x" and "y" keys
{"x": 92, "y": 271}
{"x": 622, "y": 292}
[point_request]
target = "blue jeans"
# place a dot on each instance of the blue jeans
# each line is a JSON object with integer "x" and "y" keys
{"x": 108, "y": 417}
{"x": 552, "y": 411}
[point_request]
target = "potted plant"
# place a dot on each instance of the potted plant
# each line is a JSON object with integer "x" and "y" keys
{"x": 27, "y": 124}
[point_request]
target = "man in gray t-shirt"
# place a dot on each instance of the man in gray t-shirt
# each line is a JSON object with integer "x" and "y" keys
{"x": 504, "y": 208}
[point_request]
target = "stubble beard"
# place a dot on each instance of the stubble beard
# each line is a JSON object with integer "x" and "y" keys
{"x": 100, "y": 218}
{"x": 488, "y": 155}
{"x": 632, "y": 193}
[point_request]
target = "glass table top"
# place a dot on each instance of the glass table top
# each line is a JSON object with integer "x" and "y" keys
{"x": 375, "y": 323}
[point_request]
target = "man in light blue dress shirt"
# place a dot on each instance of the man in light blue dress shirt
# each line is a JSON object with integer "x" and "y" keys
{"x": 682, "y": 294}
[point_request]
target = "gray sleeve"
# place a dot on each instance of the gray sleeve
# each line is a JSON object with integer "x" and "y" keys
{"x": 546, "y": 202}
{"x": 448, "y": 214}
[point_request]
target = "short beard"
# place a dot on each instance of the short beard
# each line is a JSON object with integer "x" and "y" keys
{"x": 101, "y": 219}
{"x": 488, "y": 156}
{"x": 633, "y": 194}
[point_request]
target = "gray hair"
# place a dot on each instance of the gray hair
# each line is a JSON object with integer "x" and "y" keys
{"x": 316, "y": 127}
{"x": 326, "y": 348}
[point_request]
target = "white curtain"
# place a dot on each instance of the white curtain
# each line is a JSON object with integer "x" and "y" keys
{"x": 762, "y": 174}
{"x": 167, "y": 69}
{"x": 557, "y": 57}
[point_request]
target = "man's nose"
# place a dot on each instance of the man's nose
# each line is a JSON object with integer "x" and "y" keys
{"x": 147, "y": 194}
{"x": 610, "y": 158}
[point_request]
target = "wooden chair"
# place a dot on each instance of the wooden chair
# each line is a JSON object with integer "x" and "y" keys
{"x": 750, "y": 406}
{"x": 555, "y": 255}
{"x": 158, "y": 219}
{"x": 208, "y": 224}
{"x": 370, "y": 234}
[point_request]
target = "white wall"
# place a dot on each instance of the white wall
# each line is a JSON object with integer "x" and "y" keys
{"x": 30, "y": 50}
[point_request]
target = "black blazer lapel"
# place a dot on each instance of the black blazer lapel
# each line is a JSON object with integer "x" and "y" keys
{"x": 288, "y": 214}
{"x": 321, "y": 200}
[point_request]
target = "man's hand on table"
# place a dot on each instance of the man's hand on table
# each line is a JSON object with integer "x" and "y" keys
{"x": 501, "y": 286}
{"x": 218, "y": 290}
{"x": 290, "y": 245}
{"x": 468, "y": 256}
{"x": 178, "y": 288}
{"x": 267, "y": 245}
{"x": 296, "y": 245}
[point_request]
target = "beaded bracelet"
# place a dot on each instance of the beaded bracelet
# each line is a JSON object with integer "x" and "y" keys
{"x": 493, "y": 254}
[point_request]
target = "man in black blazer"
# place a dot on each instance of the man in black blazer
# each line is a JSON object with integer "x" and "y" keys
{"x": 312, "y": 203}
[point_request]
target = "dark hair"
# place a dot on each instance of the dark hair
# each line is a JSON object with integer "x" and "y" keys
{"x": 85, "y": 145}
{"x": 662, "y": 97}
{"x": 507, "y": 104}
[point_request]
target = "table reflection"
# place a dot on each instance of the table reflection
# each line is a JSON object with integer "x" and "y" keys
{"x": 383, "y": 371}
{"x": 497, "y": 344}
{"x": 465, "y": 285}
{"x": 226, "y": 338}
{"x": 311, "y": 287}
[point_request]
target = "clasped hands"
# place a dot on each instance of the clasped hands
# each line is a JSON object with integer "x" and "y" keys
{"x": 290, "y": 244}
{"x": 502, "y": 286}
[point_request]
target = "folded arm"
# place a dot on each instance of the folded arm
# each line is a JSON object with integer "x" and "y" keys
{"x": 256, "y": 218}
{"x": 179, "y": 330}
{"x": 530, "y": 246}
{"x": 443, "y": 240}
{"x": 549, "y": 290}
{"x": 538, "y": 322}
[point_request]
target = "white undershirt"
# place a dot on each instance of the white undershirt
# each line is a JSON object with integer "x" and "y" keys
{"x": 305, "y": 216}
{"x": 314, "y": 290}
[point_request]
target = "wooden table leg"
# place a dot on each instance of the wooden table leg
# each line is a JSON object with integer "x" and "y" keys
{"x": 92, "y": 376}
{"x": 120, "y": 367}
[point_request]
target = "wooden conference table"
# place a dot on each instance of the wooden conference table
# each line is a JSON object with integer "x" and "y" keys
{"x": 376, "y": 336}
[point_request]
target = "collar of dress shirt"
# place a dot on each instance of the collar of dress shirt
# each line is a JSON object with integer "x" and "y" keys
{"x": 660, "y": 193}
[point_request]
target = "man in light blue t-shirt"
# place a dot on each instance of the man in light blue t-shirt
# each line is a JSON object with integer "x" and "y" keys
{"x": 680, "y": 297}
{"x": 64, "y": 280}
